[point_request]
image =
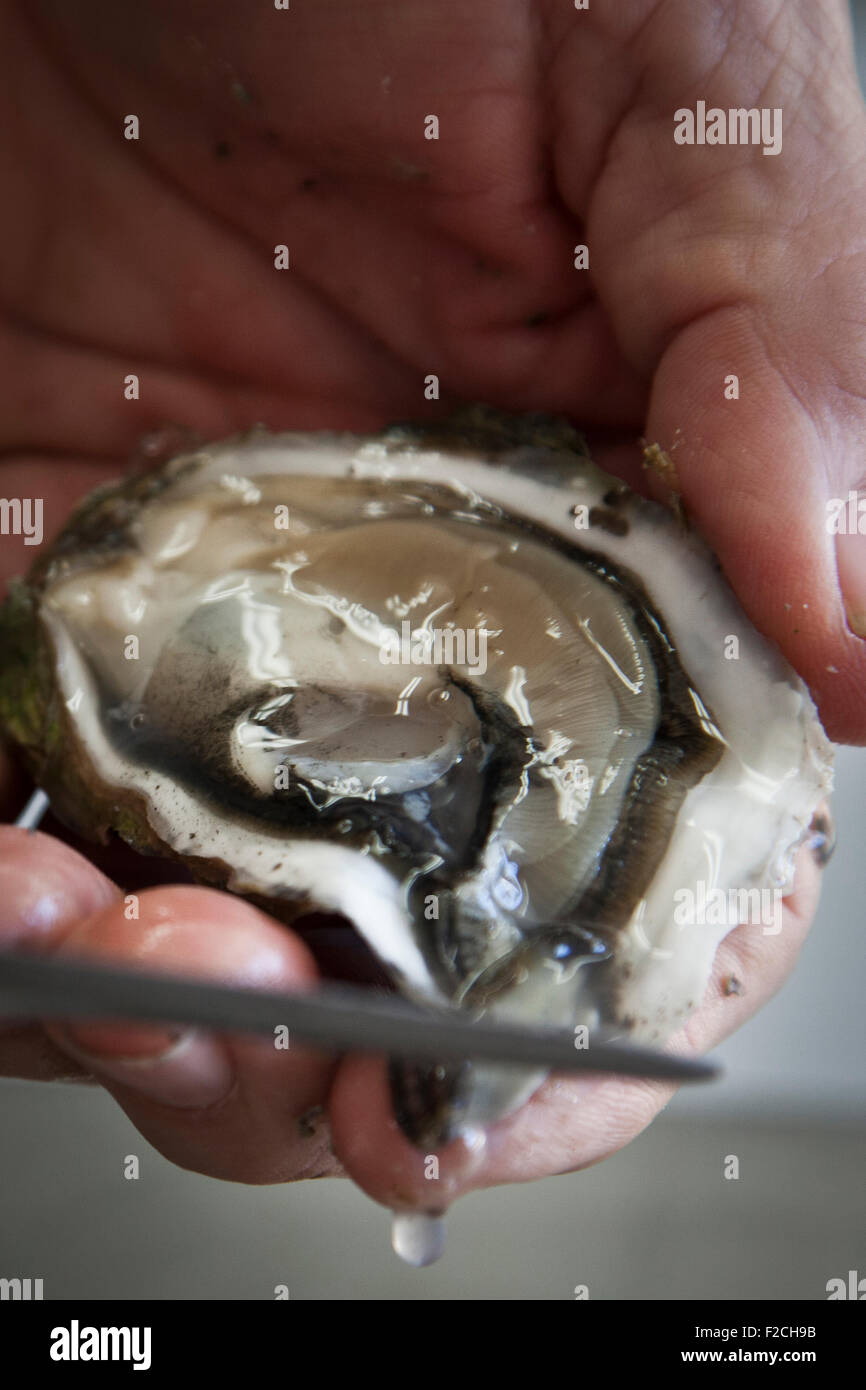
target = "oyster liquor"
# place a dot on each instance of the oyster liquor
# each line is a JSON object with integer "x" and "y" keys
{"x": 439, "y": 646}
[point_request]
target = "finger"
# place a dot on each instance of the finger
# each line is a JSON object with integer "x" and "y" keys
{"x": 569, "y": 1123}
{"x": 45, "y": 888}
{"x": 754, "y": 961}
{"x": 762, "y": 484}
{"x": 232, "y": 1106}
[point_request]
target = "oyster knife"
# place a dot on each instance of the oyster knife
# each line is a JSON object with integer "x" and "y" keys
{"x": 336, "y": 1017}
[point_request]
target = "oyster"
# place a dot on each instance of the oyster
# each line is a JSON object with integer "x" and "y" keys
{"x": 452, "y": 683}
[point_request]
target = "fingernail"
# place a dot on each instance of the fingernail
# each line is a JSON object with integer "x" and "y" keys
{"x": 848, "y": 521}
{"x": 191, "y": 1072}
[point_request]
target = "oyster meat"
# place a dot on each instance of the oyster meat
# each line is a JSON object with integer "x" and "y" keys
{"x": 452, "y": 683}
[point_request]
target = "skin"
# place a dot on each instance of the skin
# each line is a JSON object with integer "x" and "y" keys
{"x": 411, "y": 256}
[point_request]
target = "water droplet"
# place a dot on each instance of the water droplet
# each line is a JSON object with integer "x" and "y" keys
{"x": 418, "y": 1237}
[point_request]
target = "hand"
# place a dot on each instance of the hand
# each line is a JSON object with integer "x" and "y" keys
{"x": 408, "y": 257}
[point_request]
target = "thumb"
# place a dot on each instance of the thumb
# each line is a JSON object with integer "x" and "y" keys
{"x": 737, "y": 283}
{"x": 766, "y": 477}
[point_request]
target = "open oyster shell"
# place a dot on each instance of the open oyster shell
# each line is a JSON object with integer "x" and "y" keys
{"x": 454, "y": 684}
